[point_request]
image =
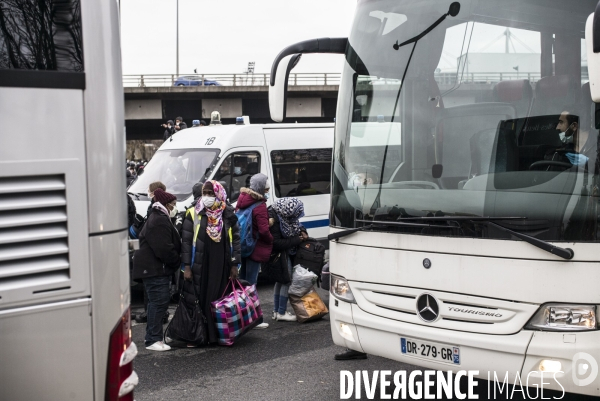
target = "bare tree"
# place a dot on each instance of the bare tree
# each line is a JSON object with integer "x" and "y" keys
{"x": 41, "y": 35}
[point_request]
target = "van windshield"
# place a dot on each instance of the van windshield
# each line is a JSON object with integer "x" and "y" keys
{"x": 178, "y": 169}
{"x": 489, "y": 114}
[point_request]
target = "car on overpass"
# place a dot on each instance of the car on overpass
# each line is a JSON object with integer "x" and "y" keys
{"x": 194, "y": 80}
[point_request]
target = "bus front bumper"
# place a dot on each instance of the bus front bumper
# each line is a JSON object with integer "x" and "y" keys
{"x": 517, "y": 357}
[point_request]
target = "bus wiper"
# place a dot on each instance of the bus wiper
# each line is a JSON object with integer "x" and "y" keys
{"x": 340, "y": 234}
{"x": 136, "y": 195}
{"x": 565, "y": 253}
{"x": 452, "y": 11}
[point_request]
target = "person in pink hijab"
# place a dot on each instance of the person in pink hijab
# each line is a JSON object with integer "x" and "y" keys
{"x": 213, "y": 258}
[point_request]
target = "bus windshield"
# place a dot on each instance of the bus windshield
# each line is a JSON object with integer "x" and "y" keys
{"x": 489, "y": 114}
{"x": 178, "y": 169}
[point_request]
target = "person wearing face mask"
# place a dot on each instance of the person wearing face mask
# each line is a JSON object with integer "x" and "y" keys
{"x": 142, "y": 317}
{"x": 155, "y": 262}
{"x": 567, "y": 126}
{"x": 257, "y": 194}
{"x": 151, "y": 188}
{"x": 215, "y": 252}
{"x": 574, "y": 140}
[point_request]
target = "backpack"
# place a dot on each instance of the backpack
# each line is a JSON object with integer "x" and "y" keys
{"x": 247, "y": 240}
{"x": 311, "y": 255}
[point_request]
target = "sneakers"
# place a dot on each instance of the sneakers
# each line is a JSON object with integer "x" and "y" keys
{"x": 274, "y": 317}
{"x": 262, "y": 326}
{"x": 286, "y": 317}
{"x": 158, "y": 346}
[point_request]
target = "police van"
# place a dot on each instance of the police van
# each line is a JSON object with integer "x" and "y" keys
{"x": 295, "y": 157}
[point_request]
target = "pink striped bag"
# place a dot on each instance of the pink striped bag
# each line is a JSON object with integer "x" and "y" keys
{"x": 236, "y": 313}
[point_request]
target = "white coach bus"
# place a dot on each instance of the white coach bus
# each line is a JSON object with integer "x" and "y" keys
{"x": 64, "y": 279}
{"x": 465, "y": 187}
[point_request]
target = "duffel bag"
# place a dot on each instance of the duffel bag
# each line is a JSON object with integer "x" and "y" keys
{"x": 236, "y": 313}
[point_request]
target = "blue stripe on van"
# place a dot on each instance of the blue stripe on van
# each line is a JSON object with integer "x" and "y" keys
{"x": 315, "y": 223}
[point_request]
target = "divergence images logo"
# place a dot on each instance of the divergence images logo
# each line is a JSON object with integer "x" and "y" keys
{"x": 582, "y": 364}
{"x": 428, "y": 308}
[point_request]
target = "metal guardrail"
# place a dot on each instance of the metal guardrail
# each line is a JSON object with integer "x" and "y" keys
{"x": 318, "y": 79}
{"x": 156, "y": 80}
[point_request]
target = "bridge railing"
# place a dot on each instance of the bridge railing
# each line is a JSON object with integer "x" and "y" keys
{"x": 156, "y": 80}
{"x": 442, "y": 78}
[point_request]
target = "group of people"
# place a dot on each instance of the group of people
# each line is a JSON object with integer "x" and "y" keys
{"x": 204, "y": 249}
{"x": 134, "y": 169}
{"x": 174, "y": 127}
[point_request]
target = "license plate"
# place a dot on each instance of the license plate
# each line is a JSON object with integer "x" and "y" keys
{"x": 431, "y": 351}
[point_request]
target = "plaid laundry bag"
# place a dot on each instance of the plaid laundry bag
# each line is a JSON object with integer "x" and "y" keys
{"x": 236, "y": 313}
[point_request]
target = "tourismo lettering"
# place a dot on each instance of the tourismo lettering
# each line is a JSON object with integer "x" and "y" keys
{"x": 417, "y": 386}
{"x": 475, "y": 312}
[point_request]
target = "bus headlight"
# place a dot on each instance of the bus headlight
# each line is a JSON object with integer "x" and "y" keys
{"x": 341, "y": 289}
{"x": 557, "y": 317}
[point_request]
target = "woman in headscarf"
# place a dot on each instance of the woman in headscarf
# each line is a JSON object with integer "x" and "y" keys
{"x": 217, "y": 253}
{"x": 287, "y": 233}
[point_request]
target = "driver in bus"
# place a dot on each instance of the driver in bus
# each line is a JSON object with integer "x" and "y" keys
{"x": 578, "y": 146}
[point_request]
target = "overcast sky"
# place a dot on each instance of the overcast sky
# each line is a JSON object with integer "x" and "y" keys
{"x": 223, "y": 36}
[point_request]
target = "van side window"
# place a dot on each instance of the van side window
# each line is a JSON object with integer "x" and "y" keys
{"x": 235, "y": 172}
{"x": 301, "y": 172}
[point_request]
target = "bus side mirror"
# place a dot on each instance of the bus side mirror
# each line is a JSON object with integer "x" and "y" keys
{"x": 278, "y": 90}
{"x": 592, "y": 40}
{"x": 286, "y": 60}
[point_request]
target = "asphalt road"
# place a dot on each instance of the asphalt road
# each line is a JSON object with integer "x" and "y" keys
{"x": 287, "y": 361}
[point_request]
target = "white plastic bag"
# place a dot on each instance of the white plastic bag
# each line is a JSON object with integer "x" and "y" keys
{"x": 302, "y": 281}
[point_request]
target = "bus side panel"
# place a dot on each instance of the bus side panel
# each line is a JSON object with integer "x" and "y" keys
{"x": 104, "y": 117}
{"x": 109, "y": 258}
{"x": 46, "y": 352}
{"x": 42, "y": 174}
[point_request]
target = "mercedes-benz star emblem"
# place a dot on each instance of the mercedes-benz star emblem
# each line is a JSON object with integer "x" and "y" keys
{"x": 428, "y": 308}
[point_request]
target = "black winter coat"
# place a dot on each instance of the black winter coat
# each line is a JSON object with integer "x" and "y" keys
{"x": 160, "y": 245}
{"x": 209, "y": 281}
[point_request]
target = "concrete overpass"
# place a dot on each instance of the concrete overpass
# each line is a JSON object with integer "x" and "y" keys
{"x": 151, "y": 100}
